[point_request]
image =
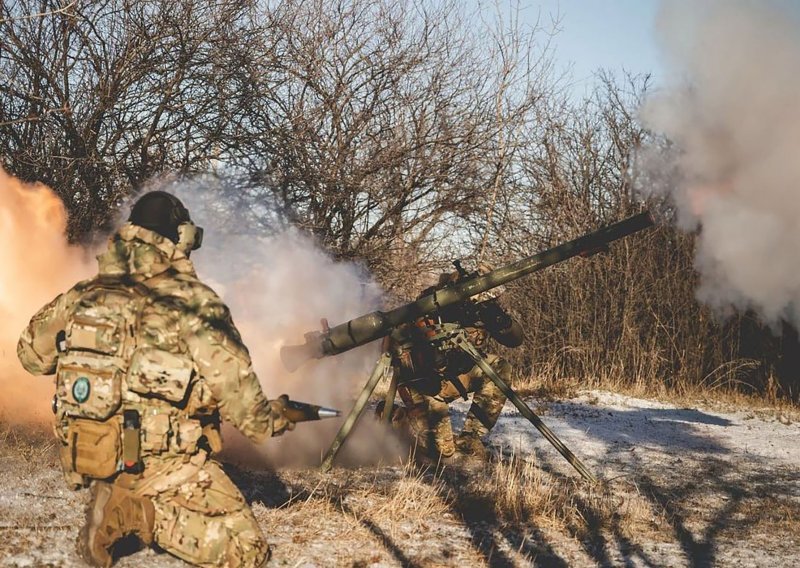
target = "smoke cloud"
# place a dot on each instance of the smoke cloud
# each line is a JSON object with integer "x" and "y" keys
{"x": 278, "y": 285}
{"x": 732, "y": 109}
{"x": 36, "y": 264}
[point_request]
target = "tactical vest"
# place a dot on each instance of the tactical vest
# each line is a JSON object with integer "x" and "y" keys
{"x": 117, "y": 401}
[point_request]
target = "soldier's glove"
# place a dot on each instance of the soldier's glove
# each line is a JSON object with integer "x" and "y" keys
{"x": 279, "y": 423}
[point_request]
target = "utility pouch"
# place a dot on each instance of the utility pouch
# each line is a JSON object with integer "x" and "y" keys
{"x": 102, "y": 333}
{"x": 153, "y": 372}
{"x": 131, "y": 430}
{"x": 155, "y": 433}
{"x": 89, "y": 385}
{"x": 93, "y": 448}
{"x": 187, "y": 435}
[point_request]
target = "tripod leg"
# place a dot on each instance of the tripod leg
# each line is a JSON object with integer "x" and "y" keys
{"x": 381, "y": 369}
{"x": 388, "y": 401}
{"x": 524, "y": 409}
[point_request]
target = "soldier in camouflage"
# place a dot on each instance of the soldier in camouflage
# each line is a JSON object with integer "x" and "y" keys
{"x": 427, "y": 396}
{"x": 147, "y": 363}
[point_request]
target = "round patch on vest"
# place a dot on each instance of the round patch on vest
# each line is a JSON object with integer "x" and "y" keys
{"x": 80, "y": 389}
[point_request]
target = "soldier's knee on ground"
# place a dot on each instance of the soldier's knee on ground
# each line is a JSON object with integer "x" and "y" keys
{"x": 207, "y": 522}
{"x": 246, "y": 544}
{"x": 228, "y": 540}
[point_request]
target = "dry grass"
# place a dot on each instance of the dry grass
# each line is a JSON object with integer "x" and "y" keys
{"x": 33, "y": 444}
{"x": 523, "y": 493}
{"x": 513, "y": 509}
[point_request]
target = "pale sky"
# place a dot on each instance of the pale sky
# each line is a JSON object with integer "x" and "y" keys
{"x": 593, "y": 34}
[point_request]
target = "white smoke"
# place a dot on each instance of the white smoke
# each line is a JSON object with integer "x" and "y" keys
{"x": 733, "y": 112}
{"x": 279, "y": 285}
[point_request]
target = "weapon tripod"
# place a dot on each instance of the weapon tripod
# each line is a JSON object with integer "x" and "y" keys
{"x": 447, "y": 336}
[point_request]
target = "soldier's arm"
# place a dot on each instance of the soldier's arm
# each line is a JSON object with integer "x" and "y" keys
{"x": 36, "y": 348}
{"x": 224, "y": 363}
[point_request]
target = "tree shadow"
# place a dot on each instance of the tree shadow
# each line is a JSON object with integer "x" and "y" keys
{"x": 705, "y": 473}
{"x": 476, "y": 510}
{"x": 268, "y": 488}
{"x": 377, "y": 532}
{"x": 617, "y": 430}
{"x": 681, "y": 498}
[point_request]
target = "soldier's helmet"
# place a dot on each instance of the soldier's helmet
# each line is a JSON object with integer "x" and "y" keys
{"x": 165, "y": 214}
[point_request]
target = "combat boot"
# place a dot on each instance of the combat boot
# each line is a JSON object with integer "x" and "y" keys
{"x": 112, "y": 514}
{"x": 470, "y": 446}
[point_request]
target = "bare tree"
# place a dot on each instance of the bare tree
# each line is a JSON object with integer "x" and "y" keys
{"x": 96, "y": 97}
{"x": 377, "y": 126}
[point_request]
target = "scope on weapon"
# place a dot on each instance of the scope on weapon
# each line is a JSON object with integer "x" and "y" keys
{"x": 369, "y": 327}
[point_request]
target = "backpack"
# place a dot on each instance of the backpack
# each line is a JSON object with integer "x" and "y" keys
{"x": 95, "y": 350}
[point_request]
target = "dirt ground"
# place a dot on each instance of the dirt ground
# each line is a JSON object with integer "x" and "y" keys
{"x": 681, "y": 487}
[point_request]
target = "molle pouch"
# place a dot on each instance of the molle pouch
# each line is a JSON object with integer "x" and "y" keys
{"x": 88, "y": 385}
{"x": 187, "y": 434}
{"x": 154, "y": 372}
{"x": 93, "y": 448}
{"x": 156, "y": 431}
{"x": 98, "y": 322}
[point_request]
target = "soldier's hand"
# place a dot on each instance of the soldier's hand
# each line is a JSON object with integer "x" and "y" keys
{"x": 280, "y": 423}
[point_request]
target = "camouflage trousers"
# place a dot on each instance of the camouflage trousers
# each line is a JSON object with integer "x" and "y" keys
{"x": 430, "y": 419}
{"x": 198, "y": 514}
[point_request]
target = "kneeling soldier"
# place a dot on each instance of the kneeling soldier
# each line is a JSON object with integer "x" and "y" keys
{"x": 147, "y": 363}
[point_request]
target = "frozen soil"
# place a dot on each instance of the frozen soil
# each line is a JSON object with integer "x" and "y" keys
{"x": 681, "y": 487}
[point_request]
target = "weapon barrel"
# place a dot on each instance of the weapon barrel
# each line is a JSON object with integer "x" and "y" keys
{"x": 369, "y": 327}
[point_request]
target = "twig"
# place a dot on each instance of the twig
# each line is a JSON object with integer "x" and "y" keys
{"x": 61, "y": 10}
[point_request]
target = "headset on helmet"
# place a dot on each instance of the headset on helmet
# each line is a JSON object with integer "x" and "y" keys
{"x": 165, "y": 214}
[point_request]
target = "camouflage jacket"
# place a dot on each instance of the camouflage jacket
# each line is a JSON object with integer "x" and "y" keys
{"x": 182, "y": 317}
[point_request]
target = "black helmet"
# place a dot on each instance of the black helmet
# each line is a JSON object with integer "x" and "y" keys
{"x": 160, "y": 212}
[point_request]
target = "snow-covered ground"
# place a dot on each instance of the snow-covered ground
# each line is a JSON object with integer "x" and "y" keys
{"x": 724, "y": 484}
{"x": 703, "y": 466}
{"x": 614, "y": 433}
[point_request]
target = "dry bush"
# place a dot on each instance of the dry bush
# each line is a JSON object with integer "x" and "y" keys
{"x": 401, "y": 134}
{"x": 627, "y": 319}
{"x": 96, "y": 97}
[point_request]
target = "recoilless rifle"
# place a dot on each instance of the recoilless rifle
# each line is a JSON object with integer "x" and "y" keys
{"x": 446, "y": 338}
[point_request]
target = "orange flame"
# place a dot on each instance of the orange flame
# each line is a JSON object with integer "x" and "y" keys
{"x": 36, "y": 263}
